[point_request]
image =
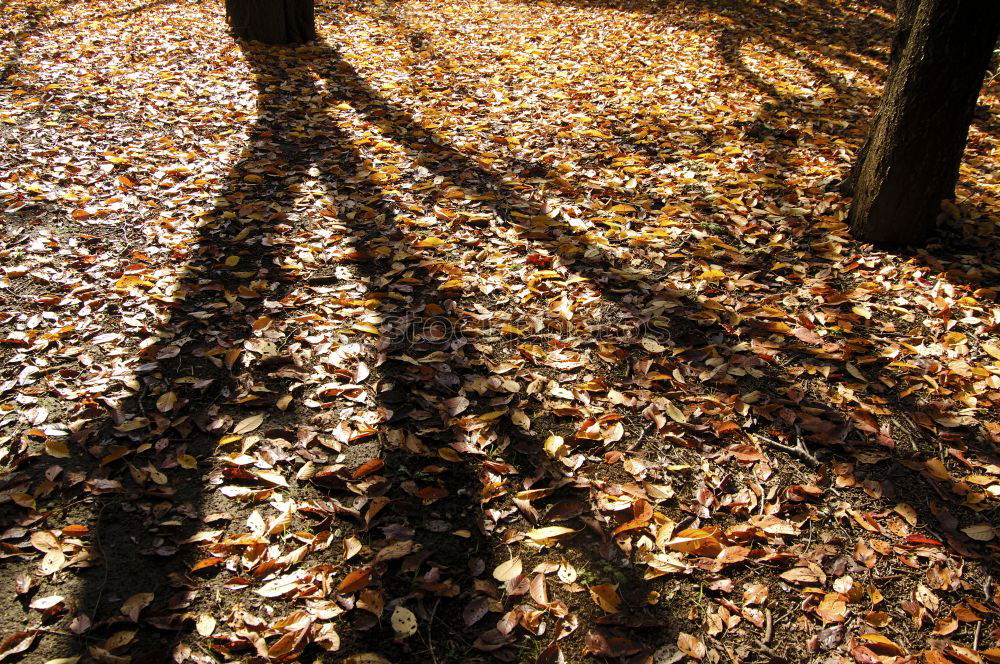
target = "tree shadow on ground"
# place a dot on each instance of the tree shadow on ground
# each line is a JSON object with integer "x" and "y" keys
{"x": 235, "y": 339}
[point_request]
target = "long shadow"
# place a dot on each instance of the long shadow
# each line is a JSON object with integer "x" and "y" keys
{"x": 214, "y": 366}
{"x": 826, "y": 425}
{"x": 697, "y": 325}
{"x": 207, "y": 371}
{"x": 230, "y": 350}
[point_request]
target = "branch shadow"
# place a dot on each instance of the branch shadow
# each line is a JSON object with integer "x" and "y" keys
{"x": 386, "y": 464}
{"x": 233, "y": 342}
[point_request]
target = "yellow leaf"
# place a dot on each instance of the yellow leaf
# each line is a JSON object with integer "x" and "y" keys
{"x": 697, "y": 541}
{"x": 555, "y": 447}
{"x": 675, "y": 413}
{"x": 712, "y": 275}
{"x": 549, "y": 535}
{"x": 57, "y": 448}
{"x": 448, "y": 454}
{"x": 205, "y": 625}
{"x": 166, "y": 402}
{"x": 135, "y": 604}
{"x": 231, "y": 355}
{"x": 936, "y": 469}
{"x": 510, "y": 329}
{"x": 187, "y": 461}
{"x": 606, "y": 597}
{"x": 906, "y": 511}
{"x": 854, "y": 371}
{"x": 352, "y": 546}
{"x": 882, "y": 646}
{"x": 271, "y": 477}
{"x": 130, "y": 281}
{"x": 365, "y": 658}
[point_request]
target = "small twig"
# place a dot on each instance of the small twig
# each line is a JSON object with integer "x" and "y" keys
{"x": 68, "y": 635}
{"x": 975, "y": 639}
{"x": 430, "y": 632}
{"x": 60, "y": 510}
{"x": 799, "y": 451}
{"x": 642, "y": 436}
{"x": 45, "y": 371}
{"x": 104, "y": 559}
{"x": 768, "y": 628}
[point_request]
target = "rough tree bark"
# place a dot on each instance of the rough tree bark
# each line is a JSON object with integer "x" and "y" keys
{"x": 910, "y": 160}
{"x": 272, "y": 21}
{"x": 906, "y": 10}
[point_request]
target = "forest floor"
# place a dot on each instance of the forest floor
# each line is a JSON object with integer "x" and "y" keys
{"x": 480, "y": 331}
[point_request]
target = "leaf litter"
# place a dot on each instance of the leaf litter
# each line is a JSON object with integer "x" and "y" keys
{"x": 482, "y": 331}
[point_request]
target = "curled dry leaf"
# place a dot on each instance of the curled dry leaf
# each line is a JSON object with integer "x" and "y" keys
{"x": 18, "y": 643}
{"x": 134, "y": 605}
{"x": 691, "y": 646}
{"x": 508, "y": 570}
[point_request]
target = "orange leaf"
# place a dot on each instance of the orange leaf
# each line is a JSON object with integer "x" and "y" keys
{"x": 205, "y": 563}
{"x": 355, "y": 581}
{"x": 368, "y": 468}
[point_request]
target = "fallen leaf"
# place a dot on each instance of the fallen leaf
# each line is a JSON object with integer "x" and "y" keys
{"x": 506, "y": 571}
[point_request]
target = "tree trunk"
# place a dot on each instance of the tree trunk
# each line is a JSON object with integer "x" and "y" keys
{"x": 906, "y": 10}
{"x": 911, "y": 158}
{"x": 272, "y": 21}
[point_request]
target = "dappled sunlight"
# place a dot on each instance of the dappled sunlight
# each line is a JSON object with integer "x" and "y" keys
{"x": 509, "y": 331}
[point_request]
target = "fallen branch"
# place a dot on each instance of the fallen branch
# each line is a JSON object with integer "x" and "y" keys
{"x": 799, "y": 451}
